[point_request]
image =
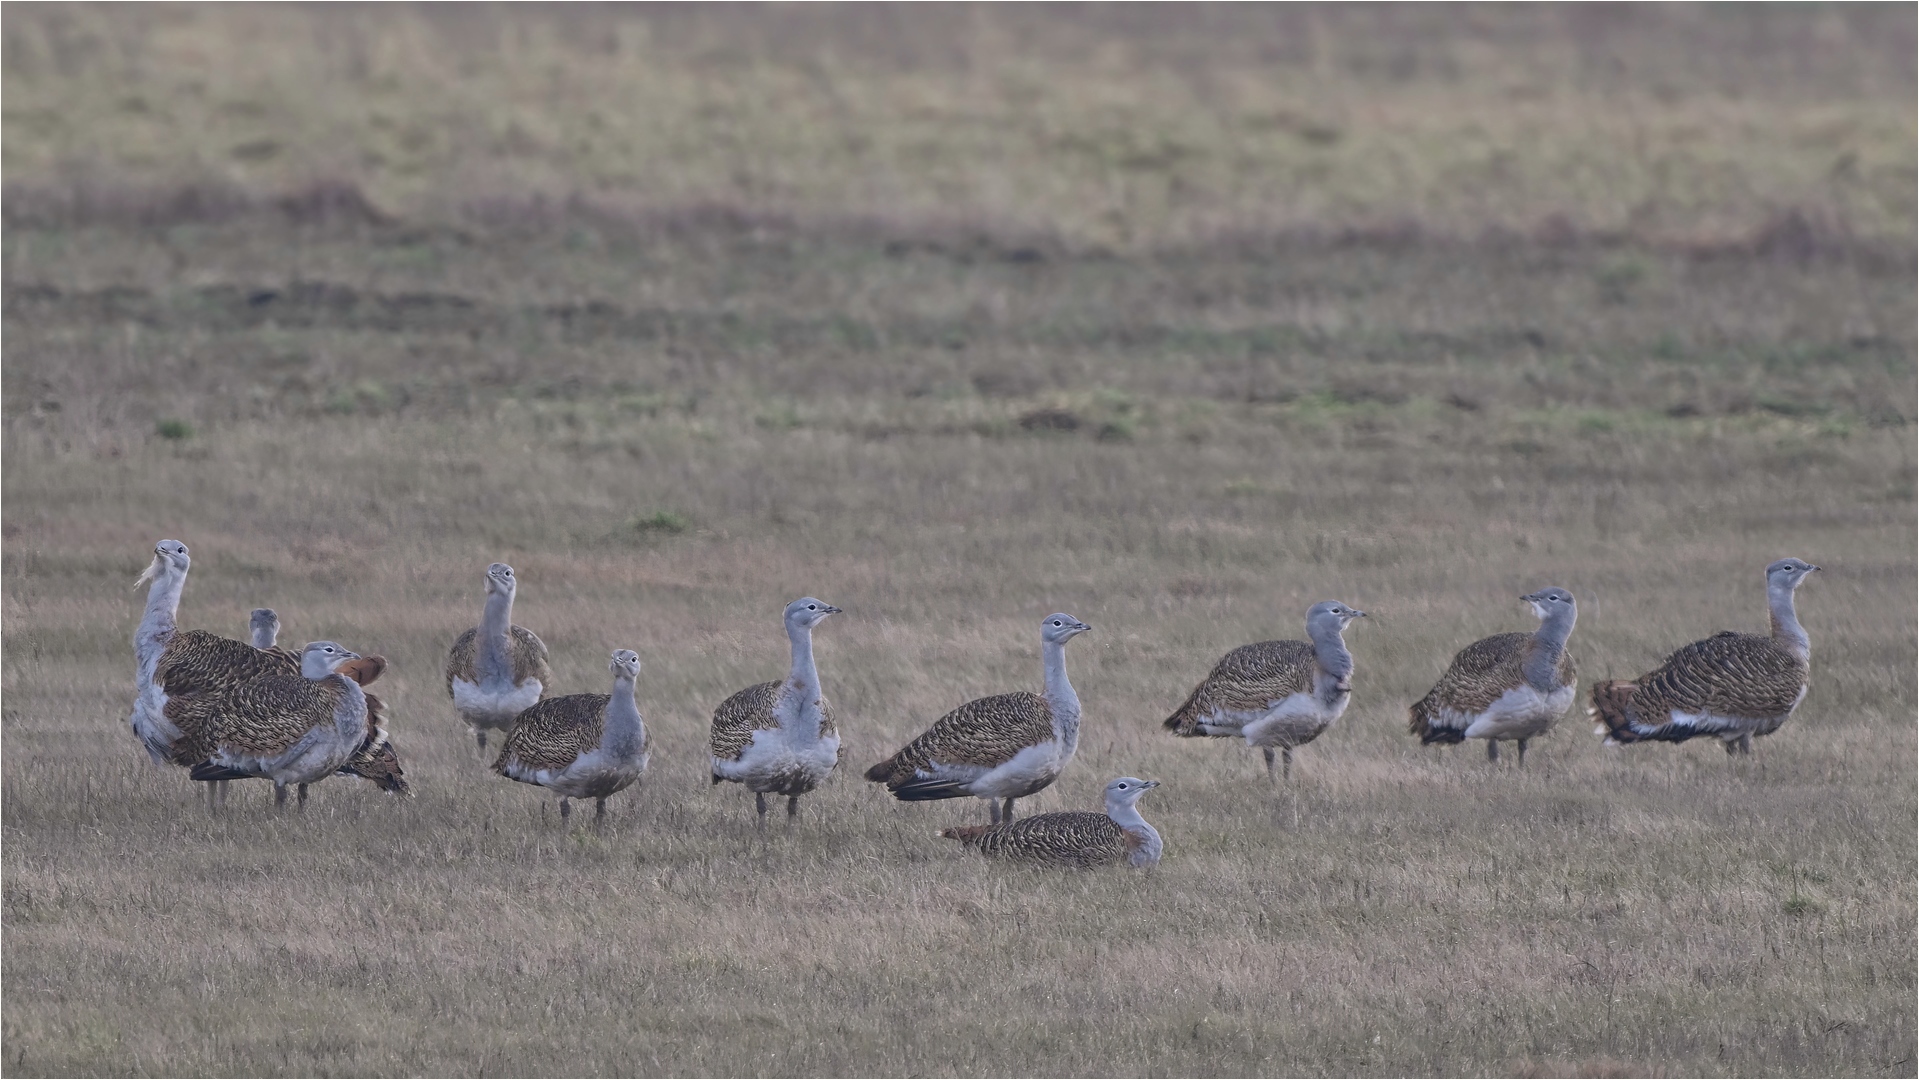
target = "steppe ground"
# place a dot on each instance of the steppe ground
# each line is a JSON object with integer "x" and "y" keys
{"x": 1174, "y": 319}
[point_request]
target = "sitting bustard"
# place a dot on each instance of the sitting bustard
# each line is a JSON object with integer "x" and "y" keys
{"x": 294, "y": 730}
{"x": 1508, "y": 686}
{"x": 1276, "y": 694}
{"x": 1075, "y": 838}
{"x": 778, "y": 738}
{"x": 998, "y": 748}
{"x": 1729, "y": 686}
{"x": 496, "y": 670}
{"x": 581, "y": 746}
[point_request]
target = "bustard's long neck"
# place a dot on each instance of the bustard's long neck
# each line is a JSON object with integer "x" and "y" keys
{"x": 496, "y": 634}
{"x": 158, "y": 621}
{"x": 1549, "y": 644}
{"x": 1059, "y": 694}
{"x": 1785, "y": 622}
{"x": 803, "y": 682}
{"x": 625, "y": 731}
{"x": 1335, "y": 674}
{"x": 1127, "y": 817}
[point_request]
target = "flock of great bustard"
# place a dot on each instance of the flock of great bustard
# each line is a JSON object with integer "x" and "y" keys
{"x": 229, "y": 710}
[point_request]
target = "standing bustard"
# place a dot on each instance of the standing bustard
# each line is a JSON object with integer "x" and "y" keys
{"x": 290, "y": 729}
{"x": 376, "y": 760}
{"x": 496, "y": 670}
{"x": 581, "y": 746}
{"x": 778, "y": 737}
{"x": 1075, "y": 838}
{"x": 1276, "y": 694}
{"x": 998, "y": 748}
{"x": 1508, "y": 686}
{"x": 1730, "y": 686}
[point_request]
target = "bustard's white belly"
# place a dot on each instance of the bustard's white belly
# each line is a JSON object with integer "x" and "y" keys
{"x": 1296, "y": 719}
{"x": 1520, "y": 713}
{"x": 317, "y": 755}
{"x": 494, "y": 703}
{"x": 777, "y": 760}
{"x": 1023, "y": 774}
{"x": 595, "y": 774}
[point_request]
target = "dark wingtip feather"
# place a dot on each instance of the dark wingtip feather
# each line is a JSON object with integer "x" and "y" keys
{"x": 207, "y": 770}
{"x": 882, "y": 772}
{"x": 926, "y": 790}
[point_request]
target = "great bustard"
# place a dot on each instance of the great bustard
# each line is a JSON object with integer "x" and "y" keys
{"x": 1277, "y": 695}
{"x": 1075, "y": 838}
{"x": 376, "y": 760}
{"x": 496, "y": 670}
{"x": 1730, "y": 686}
{"x": 581, "y": 746}
{"x": 778, "y": 738}
{"x": 998, "y": 748}
{"x": 1509, "y": 686}
{"x": 294, "y": 730}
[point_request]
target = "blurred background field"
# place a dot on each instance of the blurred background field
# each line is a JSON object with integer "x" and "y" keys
{"x": 1177, "y": 319}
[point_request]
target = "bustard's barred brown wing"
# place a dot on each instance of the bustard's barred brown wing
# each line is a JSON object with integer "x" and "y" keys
{"x": 1479, "y": 675}
{"x": 552, "y": 735}
{"x": 739, "y": 716}
{"x": 198, "y": 670}
{"x": 1073, "y": 838}
{"x": 267, "y": 715}
{"x": 527, "y": 652}
{"x": 1743, "y": 676}
{"x": 1248, "y": 679}
{"x": 987, "y": 732}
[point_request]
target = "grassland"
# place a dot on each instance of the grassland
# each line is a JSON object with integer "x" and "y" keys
{"x": 933, "y": 380}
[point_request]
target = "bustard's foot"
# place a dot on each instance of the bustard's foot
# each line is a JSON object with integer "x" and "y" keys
{"x": 302, "y": 800}
{"x": 566, "y": 809}
{"x": 792, "y": 807}
{"x": 1492, "y": 749}
{"x": 599, "y": 810}
{"x": 479, "y": 736}
{"x": 759, "y": 803}
{"x": 1007, "y": 814}
{"x": 1271, "y": 759}
{"x": 1522, "y": 753}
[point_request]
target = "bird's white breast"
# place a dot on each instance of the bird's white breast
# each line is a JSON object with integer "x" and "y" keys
{"x": 494, "y": 704}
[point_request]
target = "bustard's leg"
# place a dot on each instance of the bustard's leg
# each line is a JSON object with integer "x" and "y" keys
{"x": 566, "y": 809}
{"x": 1286, "y": 762}
{"x": 1741, "y": 745}
{"x": 479, "y": 733}
{"x": 792, "y": 807}
{"x": 1007, "y": 814}
{"x": 1268, "y": 751}
{"x": 992, "y": 806}
{"x": 303, "y": 797}
{"x": 759, "y": 802}
{"x": 599, "y": 809}
{"x": 221, "y": 787}
{"x": 1492, "y": 749}
{"x": 1522, "y": 753}
{"x": 213, "y": 786}
{"x": 279, "y": 795}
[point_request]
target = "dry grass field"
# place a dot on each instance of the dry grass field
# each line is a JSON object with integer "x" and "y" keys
{"x": 1177, "y": 321}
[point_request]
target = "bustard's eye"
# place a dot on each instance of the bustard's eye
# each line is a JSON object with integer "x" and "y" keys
{"x": 812, "y": 607}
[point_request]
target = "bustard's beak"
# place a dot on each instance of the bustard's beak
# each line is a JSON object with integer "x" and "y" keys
{"x": 1357, "y": 614}
{"x": 829, "y": 610}
{"x": 1149, "y": 784}
{"x": 1810, "y": 569}
{"x": 1082, "y": 627}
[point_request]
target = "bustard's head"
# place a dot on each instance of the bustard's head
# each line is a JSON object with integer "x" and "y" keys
{"x": 265, "y": 625}
{"x": 1330, "y": 615}
{"x": 322, "y": 658}
{"x": 169, "y": 557}
{"x": 626, "y": 664}
{"x": 1788, "y": 573}
{"x": 808, "y": 612}
{"x": 1551, "y": 603}
{"x": 500, "y": 581}
{"x": 1060, "y": 628}
{"x": 1126, "y": 791}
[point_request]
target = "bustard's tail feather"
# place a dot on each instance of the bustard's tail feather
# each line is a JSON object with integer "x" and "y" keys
{"x": 1185, "y": 720}
{"x": 1612, "y": 707}
{"x": 926, "y": 789}
{"x": 882, "y": 772}
{"x": 207, "y": 770}
{"x": 1419, "y": 722}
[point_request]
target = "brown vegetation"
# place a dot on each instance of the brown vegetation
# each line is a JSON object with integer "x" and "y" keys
{"x": 672, "y": 414}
